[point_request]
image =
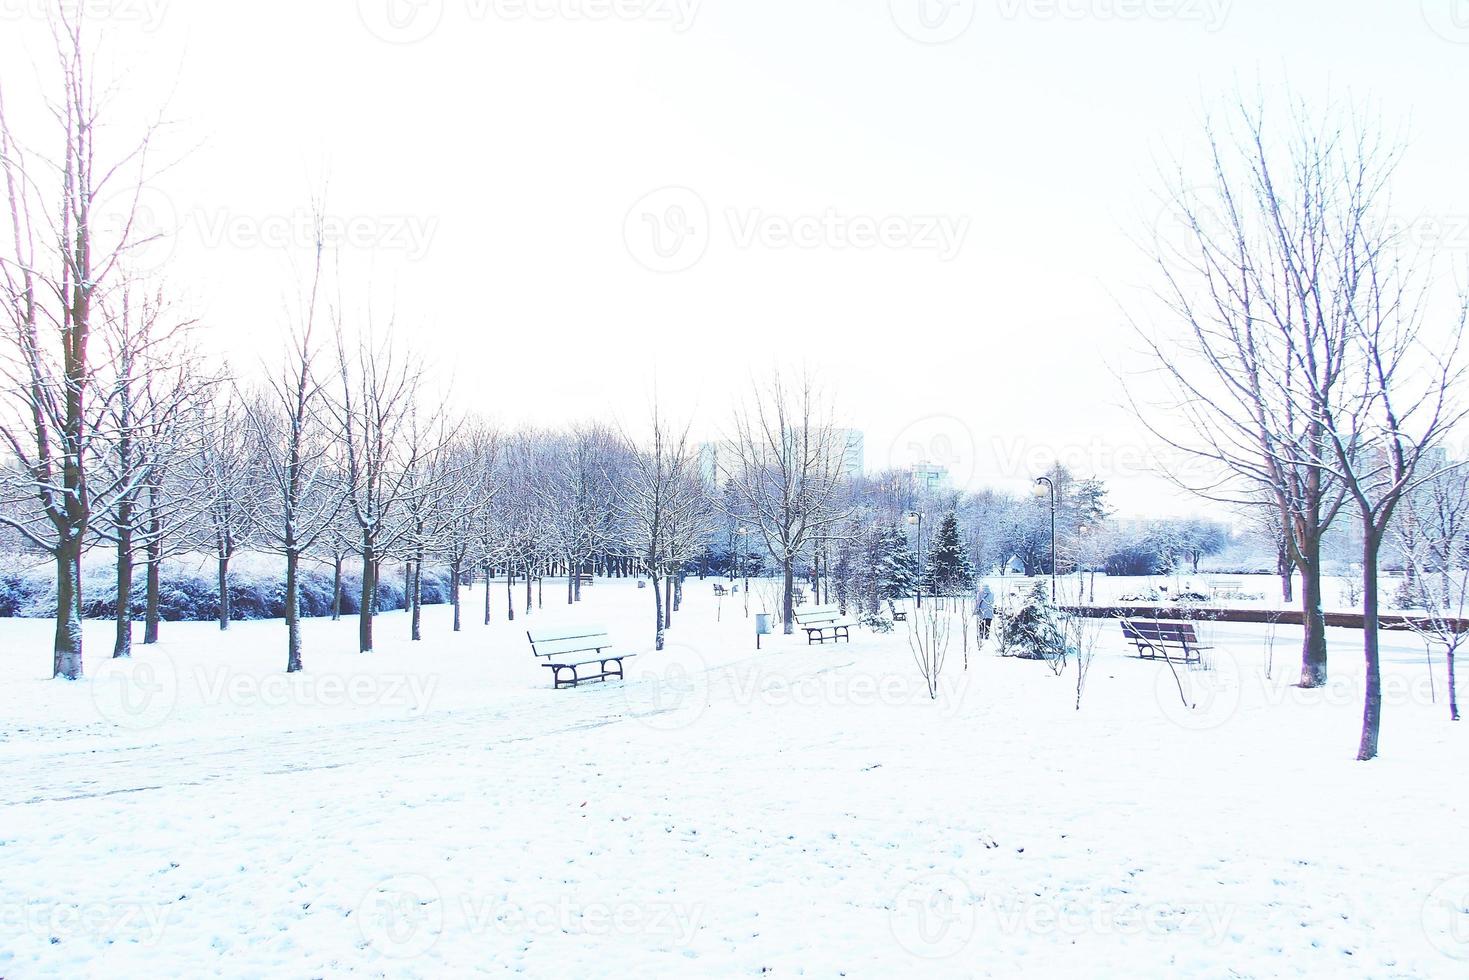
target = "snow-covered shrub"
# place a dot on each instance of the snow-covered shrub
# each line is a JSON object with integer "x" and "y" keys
{"x": 1031, "y": 631}
{"x": 877, "y": 622}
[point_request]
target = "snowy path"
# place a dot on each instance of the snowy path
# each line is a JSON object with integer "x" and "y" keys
{"x": 798, "y": 812}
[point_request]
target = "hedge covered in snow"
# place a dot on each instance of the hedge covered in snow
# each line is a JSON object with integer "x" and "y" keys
{"x": 189, "y": 589}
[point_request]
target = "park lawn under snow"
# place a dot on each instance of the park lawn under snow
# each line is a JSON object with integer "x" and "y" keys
{"x": 435, "y": 808}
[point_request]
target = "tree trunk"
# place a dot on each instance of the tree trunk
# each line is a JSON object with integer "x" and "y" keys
{"x": 487, "y": 593}
{"x": 1453, "y": 692}
{"x": 369, "y": 598}
{"x": 417, "y": 597}
{"x": 336, "y": 588}
{"x": 667, "y": 601}
{"x": 678, "y": 592}
{"x": 658, "y": 608}
{"x": 155, "y": 571}
{"x": 1313, "y": 649}
{"x": 293, "y": 615}
{"x": 570, "y": 584}
{"x": 529, "y": 594}
{"x": 224, "y": 592}
{"x": 67, "y": 661}
{"x": 122, "y": 644}
{"x": 1287, "y": 576}
{"x": 509, "y": 592}
{"x": 576, "y": 577}
{"x": 454, "y": 593}
{"x": 1372, "y": 707}
{"x": 788, "y": 612}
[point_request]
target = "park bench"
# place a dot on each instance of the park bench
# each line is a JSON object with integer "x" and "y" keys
{"x": 899, "y": 615}
{"x": 1227, "y": 587}
{"x": 1155, "y": 639}
{"x": 720, "y": 589}
{"x": 566, "y": 649}
{"x": 817, "y": 621}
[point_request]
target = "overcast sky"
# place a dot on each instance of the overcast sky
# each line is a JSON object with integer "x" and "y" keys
{"x": 933, "y": 203}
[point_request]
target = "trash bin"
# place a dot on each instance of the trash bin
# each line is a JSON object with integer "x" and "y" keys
{"x": 762, "y": 624}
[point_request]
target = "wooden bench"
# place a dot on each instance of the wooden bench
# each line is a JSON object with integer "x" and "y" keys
{"x": 818, "y": 620}
{"x": 899, "y": 615}
{"x": 1227, "y": 586}
{"x": 563, "y": 649}
{"x": 1155, "y": 639}
{"x": 720, "y": 589}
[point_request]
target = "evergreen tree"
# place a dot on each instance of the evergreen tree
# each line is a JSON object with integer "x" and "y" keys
{"x": 949, "y": 570}
{"x": 895, "y": 565}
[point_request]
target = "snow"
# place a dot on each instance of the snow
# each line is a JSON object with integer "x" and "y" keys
{"x": 437, "y": 809}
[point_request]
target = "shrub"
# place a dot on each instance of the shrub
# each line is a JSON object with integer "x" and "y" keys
{"x": 1031, "y": 631}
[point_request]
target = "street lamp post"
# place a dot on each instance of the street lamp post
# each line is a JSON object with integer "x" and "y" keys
{"x": 745, "y": 565}
{"x": 916, "y": 517}
{"x": 1042, "y": 485}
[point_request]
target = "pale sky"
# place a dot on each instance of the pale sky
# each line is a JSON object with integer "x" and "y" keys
{"x": 562, "y": 201}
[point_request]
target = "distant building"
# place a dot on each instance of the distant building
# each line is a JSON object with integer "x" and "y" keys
{"x": 928, "y": 477}
{"x": 852, "y": 442}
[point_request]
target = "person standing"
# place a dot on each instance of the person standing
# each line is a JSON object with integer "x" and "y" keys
{"x": 984, "y": 608}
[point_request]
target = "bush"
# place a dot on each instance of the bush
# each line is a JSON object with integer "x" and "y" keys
{"x": 878, "y": 623}
{"x": 190, "y": 594}
{"x": 1031, "y": 631}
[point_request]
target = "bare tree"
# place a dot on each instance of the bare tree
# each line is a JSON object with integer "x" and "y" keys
{"x": 56, "y": 265}
{"x": 1439, "y": 556}
{"x": 653, "y": 501}
{"x": 225, "y": 475}
{"x": 379, "y": 386}
{"x": 1252, "y": 296}
{"x": 787, "y": 473}
{"x": 928, "y": 638}
{"x": 150, "y": 396}
{"x": 298, "y": 497}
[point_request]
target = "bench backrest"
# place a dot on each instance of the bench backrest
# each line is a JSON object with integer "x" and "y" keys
{"x": 557, "y": 641}
{"x": 1159, "y": 632}
{"x": 818, "y": 614}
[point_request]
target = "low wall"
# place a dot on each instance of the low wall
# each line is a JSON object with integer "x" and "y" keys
{"x": 1284, "y": 617}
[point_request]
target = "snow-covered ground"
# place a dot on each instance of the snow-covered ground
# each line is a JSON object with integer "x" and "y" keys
{"x": 435, "y": 809}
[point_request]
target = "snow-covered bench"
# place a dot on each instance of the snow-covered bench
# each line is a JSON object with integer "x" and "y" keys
{"x": 561, "y": 649}
{"x": 1154, "y": 639}
{"x": 899, "y": 615}
{"x": 817, "y": 621}
{"x": 720, "y": 589}
{"x": 1227, "y": 587}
